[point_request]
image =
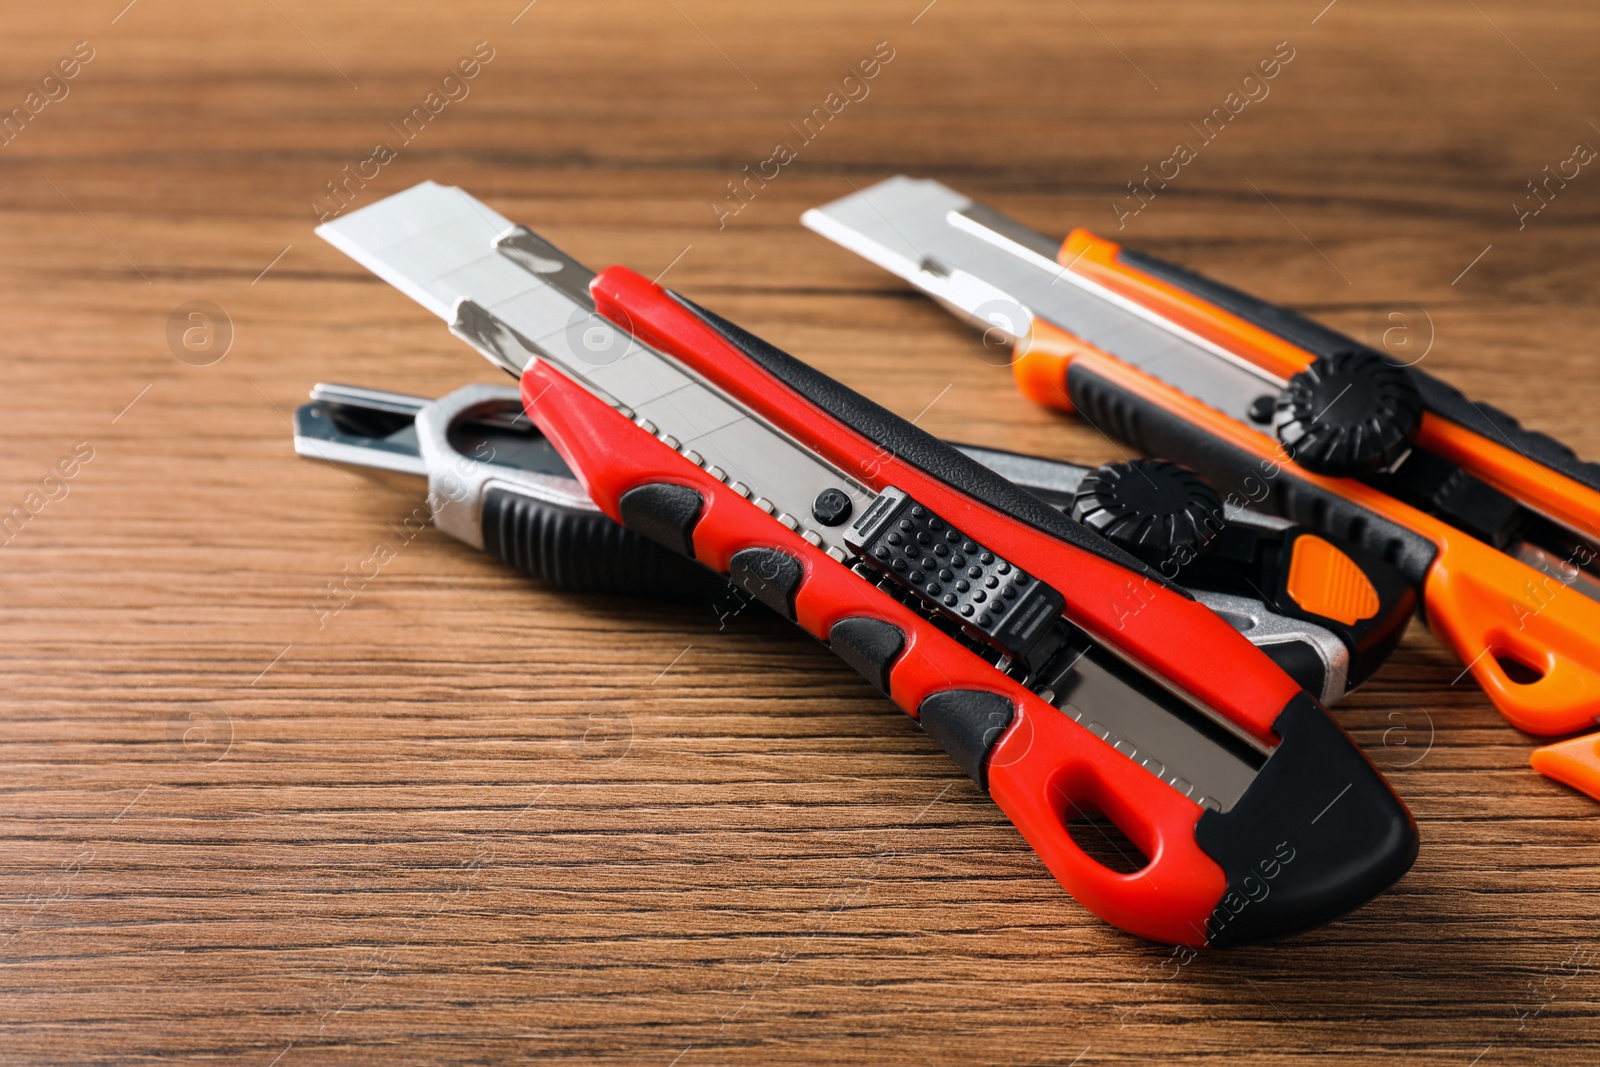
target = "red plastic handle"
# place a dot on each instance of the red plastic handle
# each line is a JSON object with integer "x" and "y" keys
{"x": 1045, "y": 768}
{"x": 1179, "y": 639}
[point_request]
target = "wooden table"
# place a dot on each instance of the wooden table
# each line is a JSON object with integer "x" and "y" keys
{"x": 465, "y": 820}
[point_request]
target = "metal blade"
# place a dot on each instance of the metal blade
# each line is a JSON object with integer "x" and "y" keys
{"x": 1562, "y": 570}
{"x": 515, "y": 297}
{"x": 1148, "y": 725}
{"x": 994, "y": 270}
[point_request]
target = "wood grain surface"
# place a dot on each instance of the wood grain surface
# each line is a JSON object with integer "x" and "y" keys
{"x": 465, "y": 820}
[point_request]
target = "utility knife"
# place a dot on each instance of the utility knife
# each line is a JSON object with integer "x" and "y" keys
{"x": 1329, "y": 614}
{"x": 984, "y": 613}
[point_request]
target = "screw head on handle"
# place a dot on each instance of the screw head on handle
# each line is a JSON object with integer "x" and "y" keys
{"x": 831, "y": 507}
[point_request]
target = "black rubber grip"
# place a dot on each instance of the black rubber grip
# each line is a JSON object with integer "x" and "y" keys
{"x": 583, "y": 551}
{"x": 962, "y": 580}
{"x": 967, "y": 723}
{"x": 869, "y": 645}
{"x": 918, "y": 448}
{"x": 771, "y": 575}
{"x": 663, "y": 512}
{"x": 1438, "y": 397}
{"x": 1238, "y": 475}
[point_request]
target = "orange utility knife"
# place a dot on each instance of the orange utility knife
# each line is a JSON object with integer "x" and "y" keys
{"x": 1495, "y": 525}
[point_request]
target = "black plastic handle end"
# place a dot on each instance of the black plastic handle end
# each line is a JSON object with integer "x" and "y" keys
{"x": 581, "y": 550}
{"x": 1318, "y": 833}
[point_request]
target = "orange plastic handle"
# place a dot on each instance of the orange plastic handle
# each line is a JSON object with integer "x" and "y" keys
{"x": 1531, "y": 642}
{"x": 1490, "y": 608}
{"x": 1575, "y": 762}
{"x": 1493, "y": 461}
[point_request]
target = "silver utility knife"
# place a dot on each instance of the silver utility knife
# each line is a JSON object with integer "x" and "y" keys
{"x": 496, "y": 483}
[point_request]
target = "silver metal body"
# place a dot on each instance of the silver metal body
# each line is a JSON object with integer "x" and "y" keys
{"x": 1000, "y": 274}
{"x": 457, "y": 484}
{"x": 1264, "y": 627}
{"x": 393, "y": 454}
{"x": 1057, "y": 481}
{"x": 514, "y": 297}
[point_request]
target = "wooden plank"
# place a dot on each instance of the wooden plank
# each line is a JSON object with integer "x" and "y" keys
{"x": 466, "y": 820}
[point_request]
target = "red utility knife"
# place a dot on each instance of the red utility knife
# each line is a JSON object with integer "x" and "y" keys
{"x": 988, "y": 616}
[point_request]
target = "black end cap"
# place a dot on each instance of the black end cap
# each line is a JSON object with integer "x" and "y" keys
{"x": 967, "y": 723}
{"x": 1317, "y": 834}
{"x": 1155, "y": 509}
{"x": 871, "y": 646}
{"x": 663, "y": 512}
{"x": 1349, "y": 414}
{"x": 771, "y": 576}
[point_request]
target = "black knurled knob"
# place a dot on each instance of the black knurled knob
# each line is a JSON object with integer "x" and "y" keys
{"x": 1348, "y": 415}
{"x": 1157, "y": 510}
